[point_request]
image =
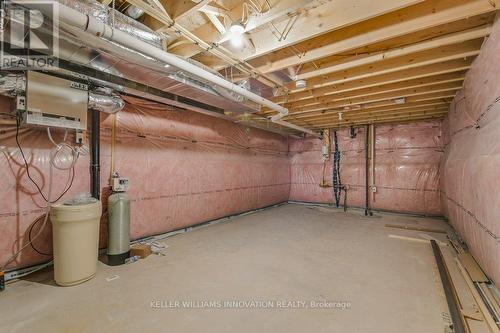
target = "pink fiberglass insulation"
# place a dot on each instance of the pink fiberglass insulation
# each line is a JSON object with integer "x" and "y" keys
{"x": 471, "y": 166}
{"x": 20, "y": 203}
{"x": 407, "y": 160}
{"x": 406, "y": 168}
{"x": 185, "y": 168}
{"x": 307, "y": 169}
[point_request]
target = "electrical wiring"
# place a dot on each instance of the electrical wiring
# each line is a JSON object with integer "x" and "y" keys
{"x": 336, "y": 182}
{"x": 46, "y": 217}
{"x": 30, "y": 238}
{"x": 55, "y": 159}
{"x": 26, "y": 166}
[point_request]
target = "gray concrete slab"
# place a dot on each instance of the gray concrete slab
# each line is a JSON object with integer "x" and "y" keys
{"x": 269, "y": 259}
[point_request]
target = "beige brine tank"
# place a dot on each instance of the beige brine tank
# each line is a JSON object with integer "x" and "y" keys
{"x": 75, "y": 233}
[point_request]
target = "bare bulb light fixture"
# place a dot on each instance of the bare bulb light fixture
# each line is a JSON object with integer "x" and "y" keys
{"x": 237, "y": 30}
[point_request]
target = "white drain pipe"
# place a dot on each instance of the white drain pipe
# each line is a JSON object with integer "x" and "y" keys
{"x": 98, "y": 28}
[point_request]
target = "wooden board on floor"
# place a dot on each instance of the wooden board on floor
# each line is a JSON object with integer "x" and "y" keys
{"x": 415, "y": 227}
{"x": 475, "y": 272}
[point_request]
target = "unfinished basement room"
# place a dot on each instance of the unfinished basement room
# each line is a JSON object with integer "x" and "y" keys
{"x": 250, "y": 166}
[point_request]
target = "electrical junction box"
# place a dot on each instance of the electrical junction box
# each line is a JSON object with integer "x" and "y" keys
{"x": 53, "y": 101}
{"x": 120, "y": 184}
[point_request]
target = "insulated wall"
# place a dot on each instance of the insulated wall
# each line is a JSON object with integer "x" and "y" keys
{"x": 185, "y": 168}
{"x": 406, "y": 168}
{"x": 307, "y": 171}
{"x": 471, "y": 166}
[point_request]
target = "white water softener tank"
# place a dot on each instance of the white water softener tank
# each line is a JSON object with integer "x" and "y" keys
{"x": 75, "y": 233}
{"x": 119, "y": 222}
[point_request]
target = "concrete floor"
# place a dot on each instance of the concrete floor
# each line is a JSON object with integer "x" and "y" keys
{"x": 279, "y": 255}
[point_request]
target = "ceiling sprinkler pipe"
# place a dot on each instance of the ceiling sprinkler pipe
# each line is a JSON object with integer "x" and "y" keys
{"x": 96, "y": 27}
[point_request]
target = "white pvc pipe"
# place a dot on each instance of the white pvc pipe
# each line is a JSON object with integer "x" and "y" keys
{"x": 96, "y": 27}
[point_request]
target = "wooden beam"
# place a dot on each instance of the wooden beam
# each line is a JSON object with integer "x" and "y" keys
{"x": 361, "y": 116}
{"x": 217, "y": 11}
{"x": 334, "y": 95}
{"x": 431, "y": 97}
{"x": 432, "y": 43}
{"x": 388, "y": 119}
{"x": 379, "y": 106}
{"x": 372, "y": 85}
{"x": 382, "y": 122}
{"x": 217, "y": 24}
{"x": 160, "y": 15}
{"x": 366, "y": 95}
{"x": 229, "y": 58}
{"x": 410, "y": 74}
{"x": 454, "y": 56}
{"x": 447, "y": 87}
{"x": 430, "y": 14}
{"x": 391, "y": 108}
{"x": 178, "y": 9}
{"x": 322, "y": 19}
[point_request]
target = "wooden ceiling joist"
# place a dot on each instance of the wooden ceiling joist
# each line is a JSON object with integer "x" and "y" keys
{"x": 392, "y": 107}
{"x": 386, "y": 119}
{"x": 373, "y": 90}
{"x": 413, "y": 92}
{"x": 461, "y": 55}
{"x": 365, "y": 115}
{"x": 181, "y": 8}
{"x": 372, "y": 95}
{"x": 377, "y": 81}
{"x": 359, "y": 58}
{"x": 327, "y": 19}
{"x": 418, "y": 17}
{"x": 438, "y": 42}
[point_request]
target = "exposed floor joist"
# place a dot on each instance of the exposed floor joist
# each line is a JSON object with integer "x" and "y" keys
{"x": 356, "y": 56}
{"x": 422, "y": 16}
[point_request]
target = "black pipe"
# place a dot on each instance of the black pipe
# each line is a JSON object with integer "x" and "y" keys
{"x": 367, "y": 196}
{"x": 95, "y": 160}
{"x": 456, "y": 318}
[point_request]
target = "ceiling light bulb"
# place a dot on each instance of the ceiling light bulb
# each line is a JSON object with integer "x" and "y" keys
{"x": 236, "y": 40}
{"x": 237, "y": 28}
{"x": 299, "y": 84}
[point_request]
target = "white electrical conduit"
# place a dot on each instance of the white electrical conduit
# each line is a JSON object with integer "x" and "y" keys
{"x": 96, "y": 27}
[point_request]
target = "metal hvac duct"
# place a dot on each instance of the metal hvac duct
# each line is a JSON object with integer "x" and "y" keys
{"x": 147, "y": 65}
{"x": 105, "y": 103}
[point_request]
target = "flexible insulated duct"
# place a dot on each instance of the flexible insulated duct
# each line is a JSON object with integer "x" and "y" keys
{"x": 96, "y": 27}
{"x": 117, "y": 19}
{"x": 105, "y": 103}
{"x": 10, "y": 84}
